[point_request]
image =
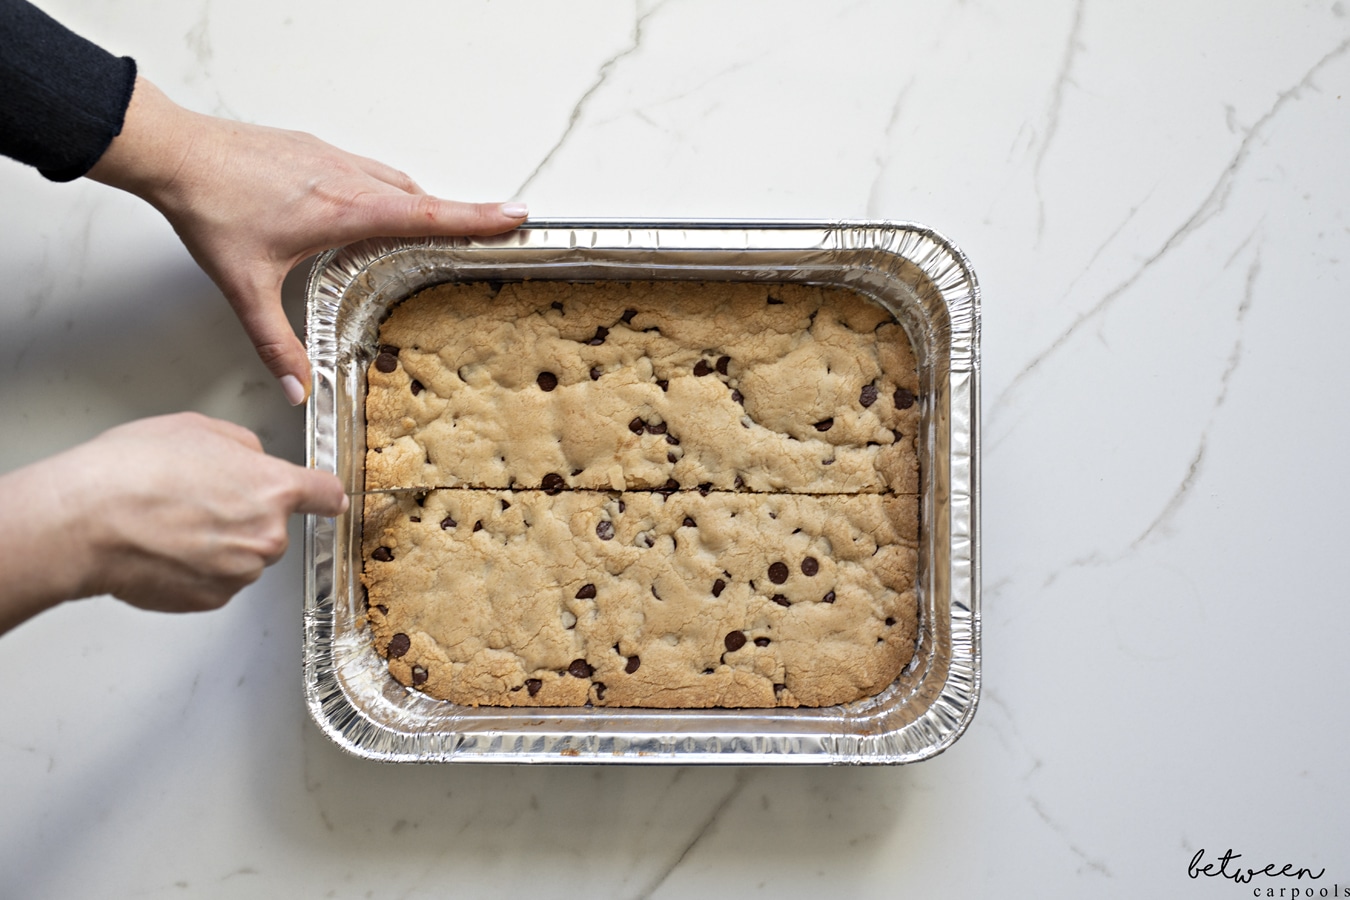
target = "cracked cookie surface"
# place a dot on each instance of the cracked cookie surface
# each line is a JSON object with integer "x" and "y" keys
{"x": 518, "y": 598}
{"x": 657, "y": 494}
{"x": 732, "y": 386}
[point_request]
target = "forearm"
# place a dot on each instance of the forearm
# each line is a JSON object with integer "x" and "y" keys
{"x": 42, "y": 563}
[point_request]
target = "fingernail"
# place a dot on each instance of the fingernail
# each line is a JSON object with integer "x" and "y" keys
{"x": 515, "y": 210}
{"x": 293, "y": 389}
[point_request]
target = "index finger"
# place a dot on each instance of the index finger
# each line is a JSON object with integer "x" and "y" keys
{"x": 414, "y": 215}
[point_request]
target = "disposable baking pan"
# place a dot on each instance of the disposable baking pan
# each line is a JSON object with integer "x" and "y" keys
{"x": 921, "y": 277}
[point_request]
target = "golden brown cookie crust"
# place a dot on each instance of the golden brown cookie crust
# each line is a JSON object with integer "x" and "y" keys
{"x": 733, "y": 599}
{"x": 782, "y": 388}
{"x": 650, "y": 494}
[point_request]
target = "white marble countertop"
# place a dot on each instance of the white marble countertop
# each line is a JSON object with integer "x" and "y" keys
{"x": 1155, "y": 199}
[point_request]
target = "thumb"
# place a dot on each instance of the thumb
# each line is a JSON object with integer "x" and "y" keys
{"x": 279, "y": 349}
{"x": 319, "y": 493}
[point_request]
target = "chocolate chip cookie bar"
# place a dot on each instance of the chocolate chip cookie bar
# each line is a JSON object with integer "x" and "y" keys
{"x": 678, "y": 600}
{"x": 724, "y": 386}
{"x": 659, "y": 494}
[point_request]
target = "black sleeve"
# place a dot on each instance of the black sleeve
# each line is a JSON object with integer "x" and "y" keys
{"x": 62, "y": 99}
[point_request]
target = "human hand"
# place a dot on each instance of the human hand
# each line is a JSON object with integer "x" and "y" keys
{"x": 175, "y": 513}
{"x": 250, "y": 202}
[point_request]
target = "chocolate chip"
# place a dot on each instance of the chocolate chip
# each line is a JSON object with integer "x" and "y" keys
{"x": 903, "y": 398}
{"x": 384, "y": 610}
{"x": 383, "y": 554}
{"x": 654, "y": 593}
{"x": 627, "y": 316}
{"x": 533, "y": 685}
{"x": 868, "y": 395}
{"x": 505, "y": 505}
{"x": 622, "y": 506}
{"x": 553, "y": 484}
{"x": 718, "y": 587}
{"x": 416, "y": 387}
{"x": 705, "y": 488}
{"x": 689, "y": 523}
{"x": 586, "y": 592}
{"x": 737, "y": 396}
{"x": 580, "y": 669}
{"x": 810, "y": 567}
{"x": 738, "y": 483}
{"x": 447, "y": 523}
{"x": 663, "y": 384}
{"x": 672, "y": 440}
{"x": 670, "y": 486}
{"x": 386, "y": 362}
{"x": 633, "y": 663}
{"x": 398, "y": 645}
{"x": 722, "y": 364}
{"x": 890, "y": 620}
{"x": 557, "y": 304}
{"x": 828, "y": 598}
{"x": 478, "y": 526}
{"x": 599, "y": 690}
{"x": 547, "y": 381}
{"x": 658, "y": 428}
{"x": 600, "y": 334}
{"x": 702, "y": 368}
{"x": 670, "y": 458}
{"x": 595, "y": 374}
{"x": 780, "y": 600}
{"x": 414, "y": 518}
{"x": 735, "y": 640}
{"x": 824, "y": 424}
{"x": 605, "y": 530}
{"x": 637, "y": 426}
{"x": 419, "y": 675}
{"x": 778, "y": 572}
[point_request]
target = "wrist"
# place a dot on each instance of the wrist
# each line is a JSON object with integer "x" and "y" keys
{"x": 44, "y": 556}
{"x": 148, "y": 156}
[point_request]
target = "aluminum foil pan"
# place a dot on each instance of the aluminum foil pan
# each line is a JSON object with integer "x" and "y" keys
{"x": 921, "y": 277}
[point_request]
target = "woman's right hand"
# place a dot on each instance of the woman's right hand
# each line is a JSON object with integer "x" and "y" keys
{"x": 174, "y": 513}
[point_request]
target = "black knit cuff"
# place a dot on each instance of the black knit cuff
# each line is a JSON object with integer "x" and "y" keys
{"x": 62, "y": 98}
